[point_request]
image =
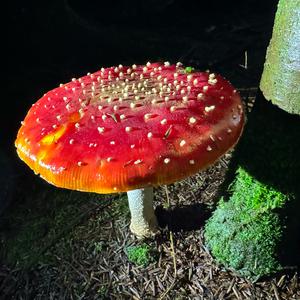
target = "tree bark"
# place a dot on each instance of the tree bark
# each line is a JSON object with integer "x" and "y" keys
{"x": 280, "y": 80}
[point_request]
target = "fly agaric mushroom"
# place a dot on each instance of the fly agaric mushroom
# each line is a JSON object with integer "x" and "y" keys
{"x": 127, "y": 129}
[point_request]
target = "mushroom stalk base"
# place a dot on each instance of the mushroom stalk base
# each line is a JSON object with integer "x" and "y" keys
{"x": 143, "y": 220}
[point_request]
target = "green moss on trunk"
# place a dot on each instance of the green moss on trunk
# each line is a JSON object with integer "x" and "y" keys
{"x": 255, "y": 229}
{"x": 280, "y": 80}
{"x": 244, "y": 232}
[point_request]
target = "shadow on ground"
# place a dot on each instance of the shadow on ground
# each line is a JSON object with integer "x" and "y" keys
{"x": 186, "y": 218}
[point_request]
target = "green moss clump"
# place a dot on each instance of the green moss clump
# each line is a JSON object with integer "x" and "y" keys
{"x": 189, "y": 70}
{"x": 141, "y": 255}
{"x": 245, "y": 231}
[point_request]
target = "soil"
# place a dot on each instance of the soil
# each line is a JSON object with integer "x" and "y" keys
{"x": 59, "y": 244}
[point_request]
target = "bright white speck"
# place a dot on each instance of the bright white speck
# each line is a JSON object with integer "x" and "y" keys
{"x": 195, "y": 81}
{"x": 81, "y": 112}
{"x": 100, "y": 129}
{"x": 167, "y": 160}
{"x": 122, "y": 117}
{"x": 112, "y": 142}
{"x": 109, "y": 159}
{"x": 128, "y": 129}
{"x": 134, "y": 67}
{"x": 209, "y": 108}
{"x": 104, "y": 117}
{"x": 222, "y": 97}
{"x": 65, "y": 99}
{"x": 71, "y": 142}
{"x": 192, "y": 162}
{"x": 166, "y": 64}
{"x": 212, "y": 81}
{"x": 150, "y": 135}
{"x": 163, "y": 122}
{"x": 148, "y": 116}
{"x": 77, "y": 125}
{"x": 208, "y": 148}
{"x": 167, "y": 98}
{"x": 182, "y": 143}
{"x": 132, "y": 146}
{"x": 200, "y": 96}
{"x": 192, "y": 120}
{"x": 205, "y": 88}
{"x": 138, "y": 161}
{"x": 172, "y": 108}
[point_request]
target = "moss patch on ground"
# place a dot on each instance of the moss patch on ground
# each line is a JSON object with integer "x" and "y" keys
{"x": 141, "y": 255}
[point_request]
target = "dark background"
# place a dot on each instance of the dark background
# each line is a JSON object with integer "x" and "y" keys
{"x": 49, "y": 42}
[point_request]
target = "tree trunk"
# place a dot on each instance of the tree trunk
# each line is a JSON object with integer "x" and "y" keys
{"x": 280, "y": 80}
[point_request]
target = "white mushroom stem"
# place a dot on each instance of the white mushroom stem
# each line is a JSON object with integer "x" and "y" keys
{"x": 143, "y": 219}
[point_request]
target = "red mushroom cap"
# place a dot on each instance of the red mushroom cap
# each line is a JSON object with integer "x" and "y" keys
{"x": 124, "y": 128}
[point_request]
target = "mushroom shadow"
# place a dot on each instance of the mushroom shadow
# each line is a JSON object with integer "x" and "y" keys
{"x": 184, "y": 218}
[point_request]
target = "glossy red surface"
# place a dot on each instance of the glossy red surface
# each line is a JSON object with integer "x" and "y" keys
{"x": 122, "y": 128}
